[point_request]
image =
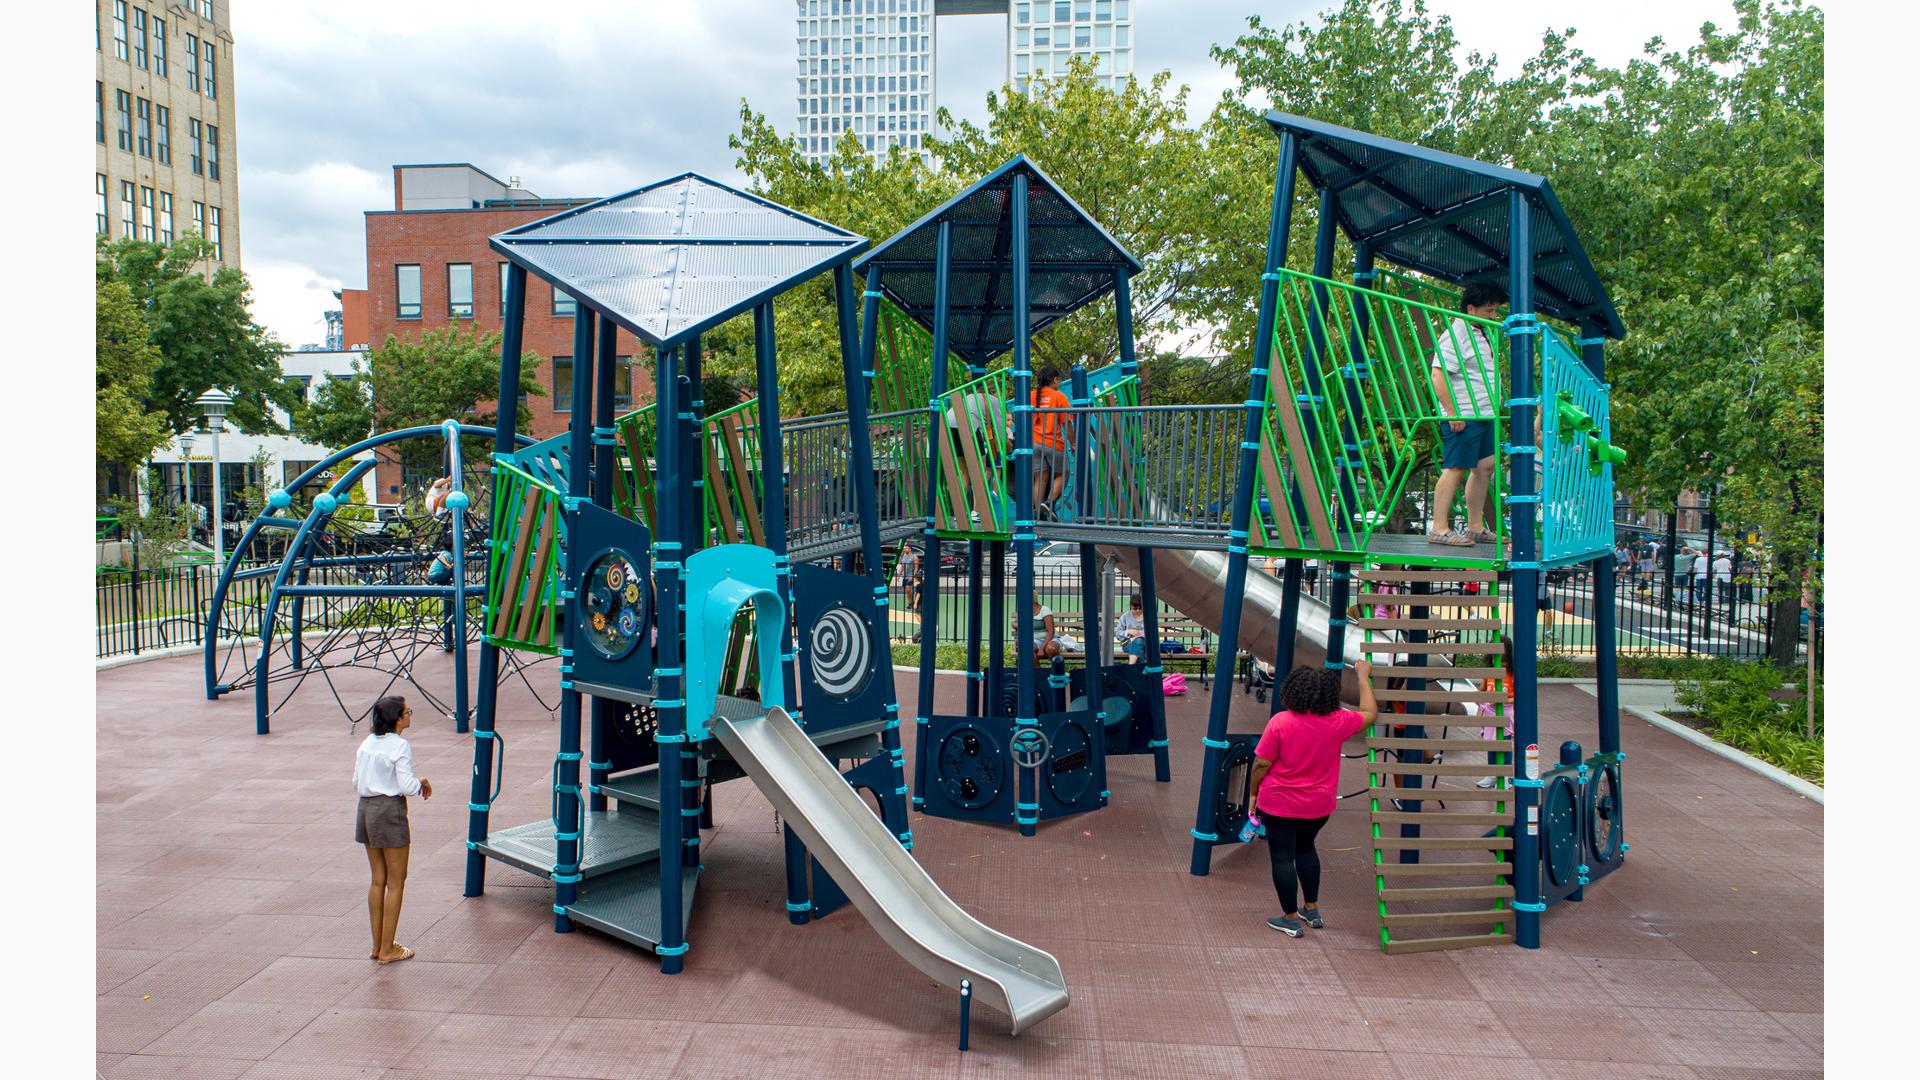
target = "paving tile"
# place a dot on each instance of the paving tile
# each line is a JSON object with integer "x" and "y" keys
{"x": 616, "y": 1048}
{"x": 305, "y": 980}
{"x": 1685, "y": 984}
{"x": 235, "y": 1029}
{"x": 1752, "y": 1040}
{"x": 1372, "y": 973}
{"x": 529, "y": 989}
{"x": 300, "y": 1070}
{"x": 1173, "y": 1061}
{"x": 123, "y": 1023}
{"x": 477, "y": 1043}
{"x": 197, "y": 976}
{"x": 353, "y": 1036}
{"x": 183, "y": 1067}
{"x": 1425, "y": 1026}
{"x": 1274, "y": 1017}
{"x": 1588, "y": 1030}
{"x": 1589, "y": 1070}
{"x": 111, "y": 967}
{"x": 418, "y": 985}
{"x": 1456, "y": 1067}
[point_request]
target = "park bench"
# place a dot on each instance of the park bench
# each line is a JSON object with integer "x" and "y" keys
{"x": 1176, "y": 629}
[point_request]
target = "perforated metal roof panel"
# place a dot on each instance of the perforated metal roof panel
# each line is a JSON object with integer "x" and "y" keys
{"x": 1447, "y": 215}
{"x": 674, "y": 259}
{"x": 1070, "y": 260}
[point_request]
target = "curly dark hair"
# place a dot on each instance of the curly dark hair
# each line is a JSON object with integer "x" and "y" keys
{"x": 1311, "y": 690}
{"x": 1482, "y": 293}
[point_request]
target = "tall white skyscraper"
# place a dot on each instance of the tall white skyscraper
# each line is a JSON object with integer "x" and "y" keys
{"x": 867, "y": 66}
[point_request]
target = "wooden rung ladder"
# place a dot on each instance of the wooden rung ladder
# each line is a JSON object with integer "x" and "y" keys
{"x": 1442, "y": 847}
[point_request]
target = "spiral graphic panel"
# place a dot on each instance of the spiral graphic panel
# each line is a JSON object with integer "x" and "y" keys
{"x": 844, "y": 663}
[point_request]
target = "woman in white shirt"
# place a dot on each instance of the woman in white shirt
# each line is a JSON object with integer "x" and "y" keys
{"x": 383, "y": 777}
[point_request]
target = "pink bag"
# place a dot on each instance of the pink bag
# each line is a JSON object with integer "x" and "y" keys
{"x": 1173, "y": 685}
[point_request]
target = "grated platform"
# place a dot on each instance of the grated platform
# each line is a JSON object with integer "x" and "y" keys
{"x": 612, "y": 842}
{"x": 639, "y": 788}
{"x": 627, "y": 904}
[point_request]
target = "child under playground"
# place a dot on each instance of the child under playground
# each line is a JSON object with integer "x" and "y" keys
{"x": 1131, "y": 630}
{"x": 383, "y": 777}
{"x": 1296, "y": 773}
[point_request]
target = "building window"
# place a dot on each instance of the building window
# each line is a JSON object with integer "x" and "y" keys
{"x": 193, "y": 144}
{"x": 406, "y": 283}
{"x": 460, "y": 290}
{"x": 213, "y": 90}
{"x": 139, "y": 37}
{"x": 146, "y": 214}
{"x": 200, "y": 219}
{"x": 100, "y": 203}
{"x": 166, "y": 217}
{"x": 300, "y": 383}
{"x": 563, "y": 384}
{"x": 160, "y": 46}
{"x": 213, "y": 234}
{"x": 126, "y": 209}
{"x": 144, "y": 110}
{"x": 563, "y": 305}
{"x": 193, "y": 63}
{"x": 206, "y": 9}
{"x": 119, "y": 29}
{"x": 622, "y": 382}
{"x": 213, "y": 152}
{"x": 100, "y": 113}
{"x": 163, "y": 125}
{"x": 123, "y": 119}
{"x": 503, "y": 290}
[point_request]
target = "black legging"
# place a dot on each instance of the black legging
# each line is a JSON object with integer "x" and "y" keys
{"x": 1296, "y": 863}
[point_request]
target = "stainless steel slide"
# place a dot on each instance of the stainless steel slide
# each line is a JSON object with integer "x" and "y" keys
{"x": 883, "y": 881}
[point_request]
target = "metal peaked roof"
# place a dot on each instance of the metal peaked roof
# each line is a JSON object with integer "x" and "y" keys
{"x": 1446, "y": 215}
{"x": 674, "y": 259}
{"x": 1070, "y": 261}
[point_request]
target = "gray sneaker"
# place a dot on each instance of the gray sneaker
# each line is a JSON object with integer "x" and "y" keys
{"x": 1288, "y": 926}
{"x": 1311, "y": 916}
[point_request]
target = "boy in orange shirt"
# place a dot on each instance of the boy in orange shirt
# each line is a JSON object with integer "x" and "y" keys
{"x": 1051, "y": 430}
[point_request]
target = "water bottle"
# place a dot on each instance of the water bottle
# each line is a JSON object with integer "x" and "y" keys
{"x": 1252, "y": 828}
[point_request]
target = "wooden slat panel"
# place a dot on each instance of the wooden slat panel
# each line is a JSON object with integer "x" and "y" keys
{"x": 537, "y": 580}
{"x": 1444, "y": 869}
{"x": 641, "y": 472}
{"x": 1482, "y": 917}
{"x": 1302, "y": 463}
{"x": 1402, "y": 768}
{"x": 734, "y": 440}
{"x": 956, "y": 493}
{"x": 1470, "y": 941}
{"x": 1495, "y": 746}
{"x": 1430, "y": 647}
{"x": 511, "y": 582}
{"x": 1385, "y": 694}
{"x": 1433, "y": 794}
{"x": 1443, "y": 843}
{"x": 1429, "y": 624}
{"x": 1370, "y": 574}
{"x": 977, "y": 486}
{"x": 1451, "y": 892}
{"x": 1438, "y": 817}
{"x": 1277, "y": 498}
{"x": 1428, "y": 600}
{"x": 718, "y": 491}
{"x": 1438, "y": 672}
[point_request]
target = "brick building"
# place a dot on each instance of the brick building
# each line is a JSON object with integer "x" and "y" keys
{"x": 429, "y": 266}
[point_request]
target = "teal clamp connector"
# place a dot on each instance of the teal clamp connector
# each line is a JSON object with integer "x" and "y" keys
{"x": 565, "y": 879}
{"x": 694, "y": 841}
{"x": 901, "y": 790}
{"x": 893, "y": 707}
{"x": 1522, "y": 781}
{"x": 473, "y": 846}
{"x": 693, "y": 811}
{"x": 1623, "y": 847}
{"x": 670, "y": 703}
{"x": 1023, "y": 452}
{"x": 919, "y": 800}
{"x": 1511, "y": 402}
{"x": 803, "y": 906}
{"x": 1154, "y": 669}
{"x": 1270, "y": 277}
{"x": 670, "y": 950}
{"x": 482, "y": 734}
{"x": 1520, "y": 322}
{"x": 558, "y": 910}
{"x": 670, "y": 672}
{"x": 869, "y": 294}
{"x": 892, "y": 725}
{"x": 1217, "y": 744}
{"x": 1519, "y": 905}
{"x": 659, "y": 564}
{"x": 1517, "y": 565}
{"x": 1523, "y": 498}
{"x": 1211, "y": 838}
{"x": 1585, "y": 341}
{"x": 977, "y": 676}
{"x": 1336, "y": 622}
{"x": 603, "y": 765}
{"x": 1513, "y": 450}
{"x": 1034, "y": 806}
{"x": 567, "y": 755}
{"x": 573, "y": 502}
{"x": 1335, "y": 665}
{"x": 669, "y": 738}
{"x": 564, "y": 651}
{"x": 921, "y": 721}
{"x": 691, "y": 783}
{"x": 1155, "y": 744}
{"x": 1364, "y": 275}
{"x": 906, "y": 840}
{"x": 1106, "y": 794}
{"x": 479, "y": 807}
{"x": 566, "y": 684}
{"x": 566, "y": 836}
{"x": 1260, "y": 372}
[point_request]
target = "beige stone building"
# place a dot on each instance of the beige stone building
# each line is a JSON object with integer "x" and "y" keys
{"x": 164, "y": 160}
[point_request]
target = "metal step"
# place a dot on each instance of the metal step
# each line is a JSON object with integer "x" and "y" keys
{"x": 612, "y": 842}
{"x": 638, "y": 788}
{"x": 626, "y": 905}
{"x": 1469, "y": 941}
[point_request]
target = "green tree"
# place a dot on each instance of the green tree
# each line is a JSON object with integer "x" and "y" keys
{"x": 201, "y": 329}
{"x": 445, "y": 374}
{"x": 126, "y": 429}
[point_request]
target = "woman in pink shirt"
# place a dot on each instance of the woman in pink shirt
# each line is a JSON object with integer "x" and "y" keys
{"x": 1296, "y": 775}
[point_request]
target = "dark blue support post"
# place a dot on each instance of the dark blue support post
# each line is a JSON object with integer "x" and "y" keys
{"x": 773, "y": 482}
{"x": 695, "y": 534}
{"x": 1339, "y": 597}
{"x": 604, "y": 712}
{"x": 1319, "y": 396}
{"x": 1215, "y": 739}
{"x": 1606, "y": 663}
{"x": 930, "y": 542}
{"x": 1149, "y": 594}
{"x": 1415, "y": 710}
{"x": 1521, "y": 330}
{"x": 975, "y": 550}
{"x": 480, "y": 790}
{"x": 996, "y": 629}
{"x": 457, "y": 502}
{"x": 966, "y": 1011}
{"x": 1093, "y": 616}
{"x": 569, "y": 811}
{"x": 1026, "y": 806}
{"x": 670, "y": 680}
{"x": 857, "y": 362}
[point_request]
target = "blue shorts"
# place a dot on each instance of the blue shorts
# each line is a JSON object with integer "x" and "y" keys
{"x": 1465, "y": 449}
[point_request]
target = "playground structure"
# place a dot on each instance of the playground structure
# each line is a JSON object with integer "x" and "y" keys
{"x": 303, "y": 596}
{"x": 713, "y": 584}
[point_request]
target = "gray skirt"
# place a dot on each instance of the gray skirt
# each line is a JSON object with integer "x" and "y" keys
{"x": 381, "y": 821}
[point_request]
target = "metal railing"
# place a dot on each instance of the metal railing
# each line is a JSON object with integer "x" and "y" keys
{"x": 1166, "y": 469}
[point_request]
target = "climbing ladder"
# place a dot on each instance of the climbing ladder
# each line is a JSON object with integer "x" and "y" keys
{"x": 1442, "y": 847}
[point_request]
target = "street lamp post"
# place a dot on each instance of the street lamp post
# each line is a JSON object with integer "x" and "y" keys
{"x": 214, "y": 404}
{"x": 186, "y": 475}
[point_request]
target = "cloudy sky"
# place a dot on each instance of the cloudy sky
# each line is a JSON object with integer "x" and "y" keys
{"x": 333, "y": 93}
